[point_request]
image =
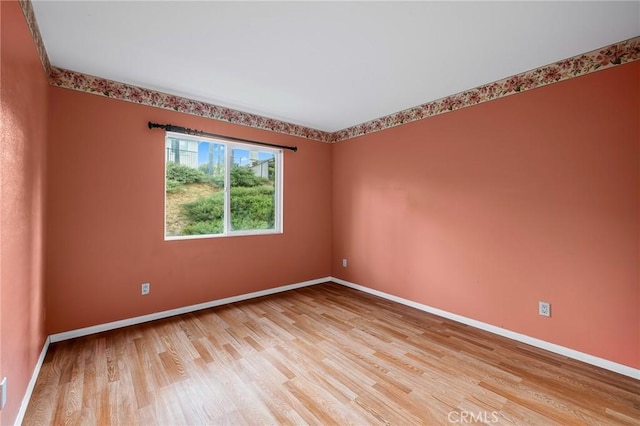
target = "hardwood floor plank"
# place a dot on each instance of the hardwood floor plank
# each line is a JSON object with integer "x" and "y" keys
{"x": 140, "y": 384}
{"x": 172, "y": 366}
{"x": 60, "y": 411}
{"x": 319, "y": 355}
{"x": 613, "y": 415}
{"x": 112, "y": 367}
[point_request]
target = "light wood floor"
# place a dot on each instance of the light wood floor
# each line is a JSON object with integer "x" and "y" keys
{"x": 319, "y": 355}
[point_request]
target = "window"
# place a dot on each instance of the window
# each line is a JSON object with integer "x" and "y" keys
{"x": 220, "y": 188}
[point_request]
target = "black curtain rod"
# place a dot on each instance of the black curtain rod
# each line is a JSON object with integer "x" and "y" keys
{"x": 180, "y": 129}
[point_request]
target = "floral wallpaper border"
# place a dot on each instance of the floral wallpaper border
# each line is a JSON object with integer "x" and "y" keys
{"x": 30, "y": 16}
{"x": 596, "y": 60}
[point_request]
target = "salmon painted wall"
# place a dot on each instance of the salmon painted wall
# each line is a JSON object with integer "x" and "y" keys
{"x": 23, "y": 93}
{"x": 105, "y": 218}
{"x": 485, "y": 211}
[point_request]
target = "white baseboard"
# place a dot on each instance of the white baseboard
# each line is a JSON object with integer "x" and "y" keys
{"x": 178, "y": 311}
{"x": 32, "y": 383}
{"x": 551, "y": 347}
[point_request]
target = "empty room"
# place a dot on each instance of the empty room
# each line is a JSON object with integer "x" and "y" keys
{"x": 310, "y": 213}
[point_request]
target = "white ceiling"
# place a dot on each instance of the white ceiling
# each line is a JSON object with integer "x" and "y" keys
{"x": 325, "y": 65}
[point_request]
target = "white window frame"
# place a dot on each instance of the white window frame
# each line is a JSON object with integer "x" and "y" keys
{"x": 229, "y": 147}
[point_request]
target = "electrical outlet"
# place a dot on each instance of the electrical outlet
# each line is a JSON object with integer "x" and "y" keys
{"x": 146, "y": 288}
{"x": 544, "y": 309}
{"x": 3, "y": 391}
{"x": 344, "y": 263}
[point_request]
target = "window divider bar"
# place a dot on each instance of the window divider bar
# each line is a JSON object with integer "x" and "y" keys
{"x": 187, "y": 131}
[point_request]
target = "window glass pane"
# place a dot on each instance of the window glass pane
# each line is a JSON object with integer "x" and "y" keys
{"x": 195, "y": 175}
{"x": 216, "y": 188}
{"x": 252, "y": 189}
